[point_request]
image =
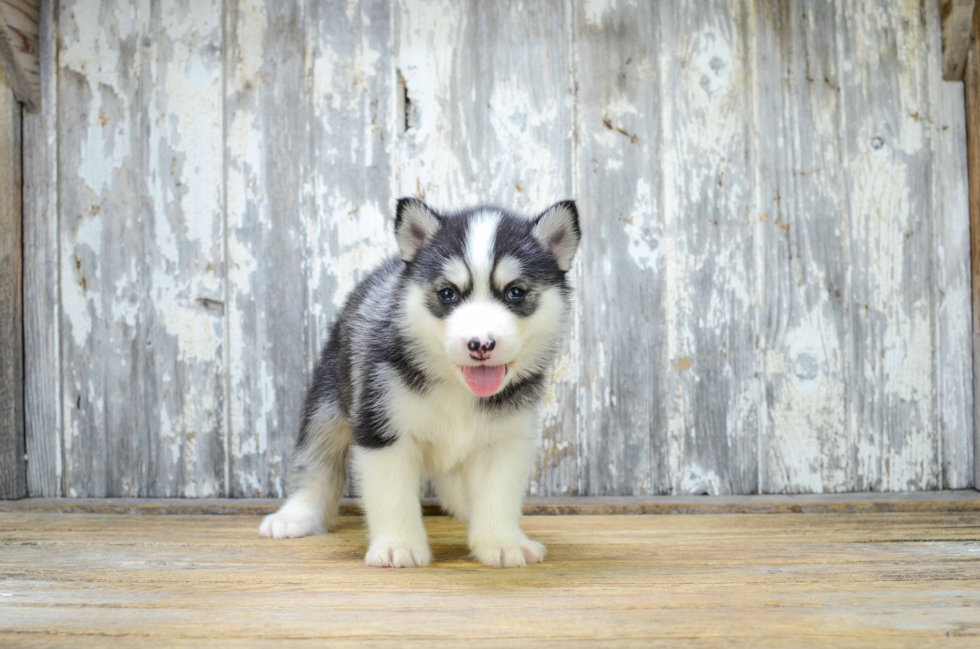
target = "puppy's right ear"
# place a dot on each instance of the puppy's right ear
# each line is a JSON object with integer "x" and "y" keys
{"x": 415, "y": 225}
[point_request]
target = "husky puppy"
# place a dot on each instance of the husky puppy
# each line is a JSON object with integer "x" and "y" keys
{"x": 436, "y": 368}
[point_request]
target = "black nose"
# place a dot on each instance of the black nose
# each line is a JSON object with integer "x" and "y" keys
{"x": 476, "y": 346}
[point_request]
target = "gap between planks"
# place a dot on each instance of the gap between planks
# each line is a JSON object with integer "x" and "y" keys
{"x": 925, "y": 501}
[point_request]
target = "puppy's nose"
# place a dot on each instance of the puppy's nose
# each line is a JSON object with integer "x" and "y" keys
{"x": 480, "y": 348}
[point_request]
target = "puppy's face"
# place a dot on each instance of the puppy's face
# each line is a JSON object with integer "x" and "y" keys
{"x": 487, "y": 298}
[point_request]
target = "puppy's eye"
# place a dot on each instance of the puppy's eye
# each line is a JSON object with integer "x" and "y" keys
{"x": 516, "y": 294}
{"x": 447, "y": 294}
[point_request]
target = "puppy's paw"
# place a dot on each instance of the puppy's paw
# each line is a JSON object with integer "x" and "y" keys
{"x": 509, "y": 553}
{"x": 392, "y": 554}
{"x": 292, "y": 521}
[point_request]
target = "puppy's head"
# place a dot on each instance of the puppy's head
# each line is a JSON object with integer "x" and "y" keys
{"x": 487, "y": 297}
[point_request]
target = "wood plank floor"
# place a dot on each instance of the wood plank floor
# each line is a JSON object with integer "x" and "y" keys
{"x": 775, "y": 580}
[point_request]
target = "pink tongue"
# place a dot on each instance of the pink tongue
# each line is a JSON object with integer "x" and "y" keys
{"x": 484, "y": 380}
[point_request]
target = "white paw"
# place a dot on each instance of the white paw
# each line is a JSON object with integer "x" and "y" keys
{"x": 385, "y": 554}
{"x": 509, "y": 553}
{"x": 292, "y": 521}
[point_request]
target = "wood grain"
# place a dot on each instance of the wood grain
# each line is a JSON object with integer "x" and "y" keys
{"x": 101, "y": 209}
{"x": 951, "y": 273}
{"x": 706, "y": 104}
{"x": 957, "y": 27}
{"x": 141, "y": 214}
{"x": 802, "y": 327}
{"x": 268, "y": 167}
{"x": 13, "y": 470}
{"x": 893, "y": 419}
{"x": 973, "y": 163}
{"x": 855, "y": 580}
{"x": 624, "y": 405}
{"x": 181, "y": 314}
{"x": 19, "y": 49}
{"x": 42, "y": 305}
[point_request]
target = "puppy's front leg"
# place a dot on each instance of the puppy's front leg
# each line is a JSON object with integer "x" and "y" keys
{"x": 389, "y": 481}
{"x": 495, "y": 480}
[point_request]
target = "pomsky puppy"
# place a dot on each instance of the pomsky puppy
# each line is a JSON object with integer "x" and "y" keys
{"x": 436, "y": 368}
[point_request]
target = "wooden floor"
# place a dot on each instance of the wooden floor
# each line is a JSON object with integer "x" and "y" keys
{"x": 858, "y": 579}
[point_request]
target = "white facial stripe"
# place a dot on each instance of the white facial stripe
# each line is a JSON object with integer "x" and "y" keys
{"x": 455, "y": 271}
{"x": 479, "y": 250}
{"x": 508, "y": 269}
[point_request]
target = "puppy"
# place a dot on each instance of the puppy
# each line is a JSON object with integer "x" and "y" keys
{"x": 436, "y": 368}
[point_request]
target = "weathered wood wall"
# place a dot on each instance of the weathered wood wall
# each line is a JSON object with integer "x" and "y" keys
{"x": 774, "y": 284}
{"x": 972, "y": 83}
{"x": 13, "y": 475}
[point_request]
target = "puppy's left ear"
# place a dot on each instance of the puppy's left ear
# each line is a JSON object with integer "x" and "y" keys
{"x": 557, "y": 230}
{"x": 415, "y": 225}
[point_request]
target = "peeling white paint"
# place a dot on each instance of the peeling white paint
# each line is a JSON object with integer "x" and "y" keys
{"x": 643, "y": 230}
{"x": 80, "y": 294}
{"x": 363, "y": 241}
{"x": 250, "y": 28}
{"x": 595, "y": 10}
{"x": 105, "y": 148}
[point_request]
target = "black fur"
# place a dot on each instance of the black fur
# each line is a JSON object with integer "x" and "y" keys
{"x": 519, "y": 394}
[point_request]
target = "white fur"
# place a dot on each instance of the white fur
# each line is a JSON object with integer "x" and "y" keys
{"x": 508, "y": 269}
{"x": 482, "y": 318}
{"x": 481, "y": 465}
{"x": 480, "y": 238}
{"x": 451, "y": 490}
{"x": 455, "y": 271}
{"x": 302, "y": 515}
{"x": 389, "y": 480}
{"x": 538, "y": 333}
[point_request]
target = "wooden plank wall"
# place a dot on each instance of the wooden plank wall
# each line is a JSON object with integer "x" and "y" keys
{"x": 774, "y": 283}
{"x": 42, "y": 304}
{"x": 13, "y": 475}
{"x": 972, "y": 82}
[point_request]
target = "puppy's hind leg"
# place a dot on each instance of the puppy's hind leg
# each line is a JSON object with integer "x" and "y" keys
{"x": 316, "y": 483}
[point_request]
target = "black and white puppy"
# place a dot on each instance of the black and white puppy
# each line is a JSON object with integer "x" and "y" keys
{"x": 436, "y": 368}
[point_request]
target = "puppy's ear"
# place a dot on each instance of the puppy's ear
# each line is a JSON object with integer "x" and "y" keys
{"x": 415, "y": 225}
{"x": 557, "y": 230}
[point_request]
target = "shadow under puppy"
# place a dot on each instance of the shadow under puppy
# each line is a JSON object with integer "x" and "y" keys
{"x": 436, "y": 368}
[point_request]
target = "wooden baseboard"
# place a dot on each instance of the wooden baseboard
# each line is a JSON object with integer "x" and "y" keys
{"x": 927, "y": 501}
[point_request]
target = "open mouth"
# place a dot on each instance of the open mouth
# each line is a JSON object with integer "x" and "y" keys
{"x": 484, "y": 380}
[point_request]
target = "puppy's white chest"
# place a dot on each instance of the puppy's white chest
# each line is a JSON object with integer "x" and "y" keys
{"x": 448, "y": 427}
